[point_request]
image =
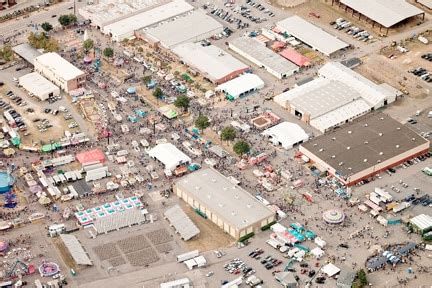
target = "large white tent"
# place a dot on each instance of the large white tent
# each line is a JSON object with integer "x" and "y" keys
{"x": 286, "y": 134}
{"x": 241, "y": 86}
{"x": 169, "y": 155}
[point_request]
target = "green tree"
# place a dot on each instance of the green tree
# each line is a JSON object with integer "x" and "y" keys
{"x": 241, "y": 147}
{"x": 46, "y": 26}
{"x": 146, "y": 79}
{"x": 361, "y": 274}
{"x": 182, "y": 102}
{"x": 108, "y": 52}
{"x": 88, "y": 45}
{"x": 6, "y": 53}
{"x": 228, "y": 133}
{"x": 64, "y": 20}
{"x": 202, "y": 122}
{"x": 158, "y": 93}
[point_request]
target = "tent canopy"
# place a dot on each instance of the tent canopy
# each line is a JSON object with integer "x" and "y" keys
{"x": 92, "y": 156}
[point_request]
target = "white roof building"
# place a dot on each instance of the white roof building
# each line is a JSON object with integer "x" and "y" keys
{"x": 76, "y": 250}
{"x": 109, "y": 11}
{"x": 212, "y": 62}
{"x": 286, "y": 134}
{"x": 337, "y": 96}
{"x": 257, "y": 53}
{"x": 39, "y": 86}
{"x": 241, "y": 86}
{"x": 311, "y": 35}
{"x": 423, "y": 222}
{"x": 330, "y": 269}
{"x": 125, "y": 28}
{"x": 169, "y": 155}
{"x": 385, "y": 12}
{"x": 192, "y": 27}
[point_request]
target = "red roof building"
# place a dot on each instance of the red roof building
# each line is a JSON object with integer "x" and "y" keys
{"x": 91, "y": 157}
{"x": 295, "y": 57}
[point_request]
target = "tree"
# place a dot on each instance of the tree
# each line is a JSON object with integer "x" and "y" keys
{"x": 66, "y": 20}
{"x": 51, "y": 45}
{"x": 202, "y": 122}
{"x": 46, "y": 26}
{"x": 146, "y": 79}
{"x": 108, "y": 52}
{"x": 88, "y": 45}
{"x": 361, "y": 274}
{"x": 182, "y": 102}
{"x": 228, "y": 133}
{"x": 6, "y": 53}
{"x": 241, "y": 147}
{"x": 158, "y": 93}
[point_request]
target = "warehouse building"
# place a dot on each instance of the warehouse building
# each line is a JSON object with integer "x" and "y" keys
{"x": 126, "y": 28}
{"x": 364, "y": 148}
{"x": 38, "y": 86}
{"x": 241, "y": 86}
{"x": 59, "y": 71}
{"x": 227, "y": 205}
{"x": 311, "y": 35}
{"x": 386, "y": 13}
{"x": 192, "y": 27}
{"x": 211, "y": 62}
{"x": 337, "y": 96}
{"x": 286, "y": 134}
{"x": 109, "y": 11}
{"x": 27, "y": 52}
{"x": 257, "y": 53}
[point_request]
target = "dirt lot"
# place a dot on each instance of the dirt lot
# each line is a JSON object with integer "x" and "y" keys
{"x": 210, "y": 237}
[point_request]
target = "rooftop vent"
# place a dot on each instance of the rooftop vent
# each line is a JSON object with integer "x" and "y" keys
{"x": 236, "y": 197}
{"x": 365, "y": 125}
{"x": 398, "y": 128}
{"x": 348, "y": 148}
{"x": 381, "y": 118}
{"x": 213, "y": 180}
{"x": 197, "y": 187}
{"x": 413, "y": 139}
{"x": 378, "y": 161}
{"x": 366, "y": 142}
{"x": 380, "y": 134}
{"x": 321, "y": 150}
{"x": 349, "y": 132}
{"x": 220, "y": 205}
{"x": 349, "y": 168}
{"x": 365, "y": 160}
{"x": 225, "y": 188}
{"x": 341, "y": 163}
{"x": 315, "y": 144}
{"x": 334, "y": 138}
{"x": 381, "y": 153}
{"x": 209, "y": 196}
{"x": 249, "y": 206}
{"x": 233, "y": 213}
{"x": 245, "y": 221}
{"x": 333, "y": 156}
{"x": 397, "y": 146}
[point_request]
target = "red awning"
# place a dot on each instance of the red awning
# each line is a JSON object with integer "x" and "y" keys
{"x": 295, "y": 57}
{"x": 92, "y": 156}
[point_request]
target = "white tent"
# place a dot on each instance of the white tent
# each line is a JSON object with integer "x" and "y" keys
{"x": 286, "y": 134}
{"x": 317, "y": 252}
{"x": 241, "y": 86}
{"x": 330, "y": 269}
{"x": 169, "y": 155}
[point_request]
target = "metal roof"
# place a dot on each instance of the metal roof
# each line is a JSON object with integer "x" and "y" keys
{"x": 312, "y": 35}
{"x": 75, "y": 249}
{"x": 125, "y": 27}
{"x": 59, "y": 66}
{"x": 193, "y": 27}
{"x": 263, "y": 56}
{"x": 426, "y": 3}
{"x": 422, "y": 221}
{"x": 385, "y": 12}
{"x": 295, "y": 57}
{"x": 27, "y": 52}
{"x": 38, "y": 85}
{"x": 181, "y": 222}
{"x": 211, "y": 61}
{"x": 364, "y": 143}
{"x": 229, "y": 202}
{"x": 288, "y": 134}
